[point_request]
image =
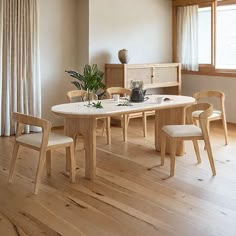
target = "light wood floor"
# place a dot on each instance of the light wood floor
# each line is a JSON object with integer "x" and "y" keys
{"x": 127, "y": 197}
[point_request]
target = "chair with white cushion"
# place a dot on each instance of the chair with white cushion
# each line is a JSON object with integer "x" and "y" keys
{"x": 189, "y": 131}
{"x": 43, "y": 142}
{"x": 218, "y": 114}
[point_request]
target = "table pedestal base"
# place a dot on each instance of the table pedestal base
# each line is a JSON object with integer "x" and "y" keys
{"x": 87, "y": 128}
{"x": 173, "y": 116}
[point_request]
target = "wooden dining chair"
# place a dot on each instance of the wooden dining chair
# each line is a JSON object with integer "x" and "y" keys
{"x": 43, "y": 142}
{"x": 80, "y": 96}
{"x": 218, "y": 98}
{"x": 76, "y": 95}
{"x": 189, "y": 131}
{"x": 126, "y": 118}
{"x": 123, "y": 92}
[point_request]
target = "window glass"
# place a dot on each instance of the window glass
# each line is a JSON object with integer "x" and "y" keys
{"x": 204, "y": 35}
{"x": 226, "y": 37}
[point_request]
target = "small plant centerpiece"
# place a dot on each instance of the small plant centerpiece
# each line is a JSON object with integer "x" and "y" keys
{"x": 98, "y": 105}
{"x": 90, "y": 81}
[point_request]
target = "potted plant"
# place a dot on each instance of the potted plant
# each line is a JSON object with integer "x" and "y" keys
{"x": 90, "y": 81}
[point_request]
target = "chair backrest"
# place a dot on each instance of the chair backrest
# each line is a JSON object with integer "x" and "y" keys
{"x": 206, "y": 109}
{"x": 118, "y": 90}
{"x": 23, "y": 120}
{"x": 31, "y": 120}
{"x": 216, "y": 98}
{"x": 203, "y": 117}
{"x": 80, "y": 96}
{"x": 76, "y": 95}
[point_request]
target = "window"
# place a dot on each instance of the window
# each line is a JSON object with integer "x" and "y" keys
{"x": 216, "y": 40}
{"x": 204, "y": 35}
{"x": 226, "y": 37}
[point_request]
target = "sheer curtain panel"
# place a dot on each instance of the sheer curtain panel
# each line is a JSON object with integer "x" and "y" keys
{"x": 20, "y": 84}
{"x": 187, "y": 37}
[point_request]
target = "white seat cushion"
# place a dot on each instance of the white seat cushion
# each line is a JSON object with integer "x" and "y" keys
{"x": 35, "y": 139}
{"x": 182, "y": 130}
{"x": 216, "y": 113}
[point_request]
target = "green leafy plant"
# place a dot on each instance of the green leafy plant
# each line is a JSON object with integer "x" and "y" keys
{"x": 91, "y": 80}
{"x": 98, "y": 104}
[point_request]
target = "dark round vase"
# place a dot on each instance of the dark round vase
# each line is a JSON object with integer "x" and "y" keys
{"x": 123, "y": 56}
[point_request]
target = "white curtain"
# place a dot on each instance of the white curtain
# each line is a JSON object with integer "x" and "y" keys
{"x": 187, "y": 37}
{"x": 20, "y": 84}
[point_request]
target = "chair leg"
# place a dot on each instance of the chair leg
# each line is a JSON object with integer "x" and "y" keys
{"x": 163, "y": 148}
{"x": 172, "y": 156}
{"x": 225, "y": 130}
{"x": 48, "y": 162}
{"x": 208, "y": 127}
{"x": 108, "y": 129}
{"x": 68, "y": 160}
{"x": 125, "y": 127}
{"x": 128, "y": 119}
{"x": 103, "y": 126}
{"x": 196, "y": 148}
{"x": 42, "y": 157}
{"x": 68, "y": 153}
{"x": 208, "y": 130}
{"x": 70, "y": 150}
{"x": 75, "y": 141}
{"x": 210, "y": 156}
{"x": 144, "y": 118}
{"x": 13, "y": 161}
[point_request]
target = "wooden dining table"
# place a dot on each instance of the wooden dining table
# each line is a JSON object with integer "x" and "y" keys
{"x": 81, "y": 119}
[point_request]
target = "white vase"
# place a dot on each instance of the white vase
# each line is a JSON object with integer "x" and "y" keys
{"x": 123, "y": 56}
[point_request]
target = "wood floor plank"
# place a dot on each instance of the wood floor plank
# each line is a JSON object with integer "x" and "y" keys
{"x": 128, "y": 197}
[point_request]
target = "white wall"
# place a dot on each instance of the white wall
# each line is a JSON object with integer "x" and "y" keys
{"x": 58, "y": 48}
{"x": 194, "y": 83}
{"x": 142, "y": 27}
{"x": 83, "y": 33}
{"x": 77, "y": 32}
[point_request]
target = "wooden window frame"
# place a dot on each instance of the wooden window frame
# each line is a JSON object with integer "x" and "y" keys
{"x": 204, "y": 69}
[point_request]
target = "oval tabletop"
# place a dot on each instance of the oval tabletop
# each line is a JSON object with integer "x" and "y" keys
{"x": 111, "y": 107}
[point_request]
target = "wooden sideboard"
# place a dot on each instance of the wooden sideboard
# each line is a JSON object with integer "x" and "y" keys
{"x": 165, "y": 77}
{"x": 162, "y": 78}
